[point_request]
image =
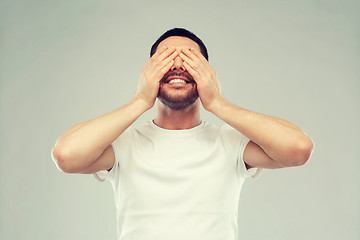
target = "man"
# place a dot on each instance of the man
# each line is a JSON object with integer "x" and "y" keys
{"x": 178, "y": 177}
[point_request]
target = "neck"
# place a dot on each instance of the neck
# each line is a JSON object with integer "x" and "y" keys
{"x": 177, "y": 120}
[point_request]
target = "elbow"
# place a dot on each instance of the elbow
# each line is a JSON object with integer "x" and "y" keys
{"x": 302, "y": 151}
{"x": 298, "y": 153}
{"x": 63, "y": 160}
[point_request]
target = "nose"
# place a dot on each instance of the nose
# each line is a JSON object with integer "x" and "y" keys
{"x": 178, "y": 64}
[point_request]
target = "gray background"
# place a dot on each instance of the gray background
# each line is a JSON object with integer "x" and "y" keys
{"x": 64, "y": 62}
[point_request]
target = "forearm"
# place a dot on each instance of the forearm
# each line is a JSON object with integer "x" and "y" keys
{"x": 280, "y": 139}
{"x": 85, "y": 142}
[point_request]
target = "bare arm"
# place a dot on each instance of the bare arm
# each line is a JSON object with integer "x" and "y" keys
{"x": 275, "y": 143}
{"x": 81, "y": 145}
{"x": 86, "y": 147}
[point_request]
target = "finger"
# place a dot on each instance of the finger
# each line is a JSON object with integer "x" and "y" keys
{"x": 197, "y": 66}
{"x": 189, "y": 54}
{"x": 186, "y": 58}
{"x": 192, "y": 71}
{"x": 200, "y": 67}
{"x": 198, "y": 54}
{"x": 166, "y": 60}
{"x": 162, "y": 71}
{"x": 194, "y": 64}
{"x": 158, "y": 52}
{"x": 196, "y": 61}
{"x": 163, "y": 55}
{"x": 154, "y": 57}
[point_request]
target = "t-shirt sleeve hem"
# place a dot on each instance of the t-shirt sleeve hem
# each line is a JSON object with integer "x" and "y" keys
{"x": 103, "y": 175}
{"x": 253, "y": 172}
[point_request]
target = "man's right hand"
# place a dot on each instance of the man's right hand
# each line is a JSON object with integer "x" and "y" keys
{"x": 86, "y": 147}
{"x": 159, "y": 64}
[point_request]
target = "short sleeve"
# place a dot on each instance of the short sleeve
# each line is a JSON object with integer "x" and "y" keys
{"x": 252, "y": 172}
{"x": 103, "y": 175}
{"x": 236, "y": 143}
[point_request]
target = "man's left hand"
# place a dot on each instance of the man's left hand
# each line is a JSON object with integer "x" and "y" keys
{"x": 208, "y": 86}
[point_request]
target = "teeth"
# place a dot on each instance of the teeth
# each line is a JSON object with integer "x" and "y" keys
{"x": 177, "y": 81}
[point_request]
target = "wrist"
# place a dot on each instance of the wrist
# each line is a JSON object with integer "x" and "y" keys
{"x": 217, "y": 105}
{"x": 141, "y": 103}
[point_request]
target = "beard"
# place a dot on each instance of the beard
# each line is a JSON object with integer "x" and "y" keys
{"x": 176, "y": 101}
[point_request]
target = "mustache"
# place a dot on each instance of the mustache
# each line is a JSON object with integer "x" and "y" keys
{"x": 180, "y": 74}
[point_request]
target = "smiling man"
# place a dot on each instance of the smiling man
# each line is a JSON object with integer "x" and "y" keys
{"x": 178, "y": 177}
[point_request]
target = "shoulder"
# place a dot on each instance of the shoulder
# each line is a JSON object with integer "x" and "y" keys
{"x": 224, "y": 133}
{"x": 131, "y": 133}
{"x": 231, "y": 133}
{"x": 137, "y": 129}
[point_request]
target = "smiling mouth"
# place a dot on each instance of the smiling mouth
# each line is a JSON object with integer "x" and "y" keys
{"x": 177, "y": 78}
{"x": 179, "y": 82}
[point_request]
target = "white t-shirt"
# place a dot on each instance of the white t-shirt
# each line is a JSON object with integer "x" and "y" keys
{"x": 178, "y": 184}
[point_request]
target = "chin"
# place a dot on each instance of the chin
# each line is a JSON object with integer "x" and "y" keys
{"x": 178, "y": 102}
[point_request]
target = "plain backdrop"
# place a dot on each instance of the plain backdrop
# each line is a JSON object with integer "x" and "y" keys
{"x": 64, "y": 62}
